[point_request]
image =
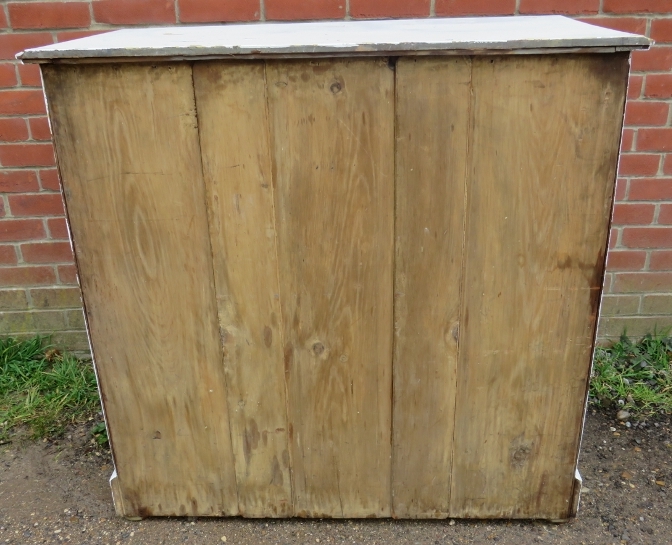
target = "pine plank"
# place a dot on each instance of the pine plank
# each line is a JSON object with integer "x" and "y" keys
{"x": 545, "y": 144}
{"x": 332, "y": 138}
{"x": 128, "y": 153}
{"x": 432, "y": 116}
{"x": 234, "y": 132}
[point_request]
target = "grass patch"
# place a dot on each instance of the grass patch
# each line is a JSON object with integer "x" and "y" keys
{"x": 43, "y": 390}
{"x": 636, "y": 376}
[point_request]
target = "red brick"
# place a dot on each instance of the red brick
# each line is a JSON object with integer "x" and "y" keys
{"x": 25, "y": 15}
{"x": 76, "y": 34}
{"x": 27, "y": 155}
{"x": 626, "y": 139}
{"x": 637, "y": 6}
{"x": 654, "y": 140}
{"x": 636, "y": 25}
{"x": 49, "y": 179}
{"x": 641, "y": 281}
{"x": 16, "y": 230}
{"x": 366, "y": 9}
{"x": 133, "y": 12}
{"x": 67, "y": 274}
{"x": 3, "y": 18}
{"x": 667, "y": 164}
{"x": 2, "y": 209}
{"x": 638, "y": 164}
{"x": 26, "y": 276}
{"x": 658, "y": 86}
{"x": 58, "y": 229}
{"x": 7, "y": 255}
{"x": 7, "y": 75}
{"x": 214, "y": 11}
{"x": 625, "y": 260}
{"x": 13, "y": 129}
{"x": 11, "y": 44}
{"x": 22, "y": 102}
{"x": 475, "y": 7}
{"x": 656, "y": 59}
{"x": 621, "y": 189}
{"x": 661, "y": 30}
{"x": 644, "y": 112}
{"x": 661, "y": 260}
{"x": 635, "y": 85}
{"x": 651, "y": 189}
{"x": 39, "y": 128}
{"x": 29, "y": 74}
{"x": 47, "y": 252}
{"x": 647, "y": 237}
{"x": 665, "y": 214}
{"x": 568, "y": 7}
{"x": 287, "y": 10}
{"x": 41, "y": 204}
{"x": 633, "y": 214}
{"x": 18, "y": 181}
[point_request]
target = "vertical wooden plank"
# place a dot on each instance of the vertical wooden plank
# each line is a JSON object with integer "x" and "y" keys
{"x": 432, "y": 116}
{"x": 233, "y": 126}
{"x": 332, "y": 139}
{"x": 545, "y": 141}
{"x": 128, "y": 153}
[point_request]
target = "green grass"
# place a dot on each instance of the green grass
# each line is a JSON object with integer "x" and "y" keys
{"x": 42, "y": 390}
{"x": 636, "y": 376}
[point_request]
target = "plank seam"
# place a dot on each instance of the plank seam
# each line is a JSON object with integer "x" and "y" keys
{"x": 394, "y": 283}
{"x": 214, "y": 276}
{"x": 271, "y": 148}
{"x": 460, "y": 328}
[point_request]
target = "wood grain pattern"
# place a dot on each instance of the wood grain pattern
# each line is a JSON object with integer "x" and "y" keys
{"x": 233, "y": 126}
{"x": 333, "y": 141}
{"x": 128, "y": 153}
{"x": 253, "y": 285}
{"x": 432, "y": 127}
{"x": 545, "y": 143}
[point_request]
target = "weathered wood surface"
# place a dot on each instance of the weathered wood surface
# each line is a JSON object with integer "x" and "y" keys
{"x": 402, "y": 36}
{"x": 372, "y": 291}
{"x": 128, "y": 153}
{"x": 544, "y": 149}
{"x": 432, "y": 135}
{"x": 332, "y": 138}
{"x": 234, "y": 131}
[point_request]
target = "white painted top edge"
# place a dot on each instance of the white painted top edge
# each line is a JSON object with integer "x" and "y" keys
{"x": 337, "y": 37}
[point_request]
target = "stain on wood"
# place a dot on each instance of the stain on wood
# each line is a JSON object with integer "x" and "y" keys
{"x": 128, "y": 154}
{"x": 545, "y": 141}
{"x": 342, "y": 288}
{"x": 234, "y": 131}
{"x": 332, "y": 133}
{"x": 432, "y": 120}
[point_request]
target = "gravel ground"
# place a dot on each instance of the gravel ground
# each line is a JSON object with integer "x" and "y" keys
{"x": 57, "y": 492}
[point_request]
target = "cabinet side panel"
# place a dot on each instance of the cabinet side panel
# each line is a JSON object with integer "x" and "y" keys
{"x": 545, "y": 144}
{"x": 333, "y": 145}
{"x": 432, "y": 116}
{"x": 127, "y": 146}
{"x": 233, "y": 126}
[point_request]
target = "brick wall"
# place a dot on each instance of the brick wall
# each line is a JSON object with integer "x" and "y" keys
{"x": 38, "y": 287}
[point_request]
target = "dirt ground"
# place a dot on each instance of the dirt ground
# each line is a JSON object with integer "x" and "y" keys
{"x": 57, "y": 492}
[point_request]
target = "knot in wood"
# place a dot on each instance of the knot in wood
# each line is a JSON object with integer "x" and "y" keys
{"x": 318, "y": 348}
